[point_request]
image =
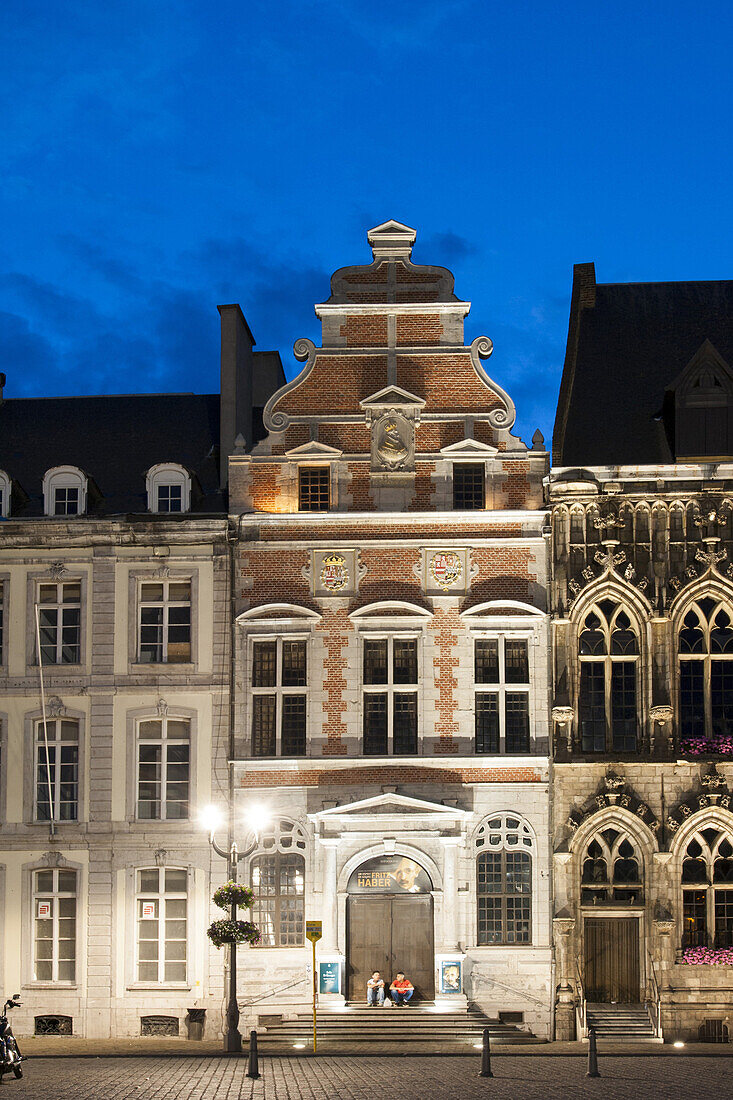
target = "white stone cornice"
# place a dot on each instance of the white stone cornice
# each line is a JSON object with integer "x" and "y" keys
{"x": 326, "y": 309}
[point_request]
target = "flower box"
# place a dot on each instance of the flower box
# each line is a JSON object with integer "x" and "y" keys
{"x": 708, "y": 956}
{"x": 701, "y": 746}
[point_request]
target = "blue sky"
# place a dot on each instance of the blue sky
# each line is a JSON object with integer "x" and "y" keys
{"x": 160, "y": 157}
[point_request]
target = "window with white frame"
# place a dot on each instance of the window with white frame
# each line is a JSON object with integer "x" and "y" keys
{"x": 707, "y": 889}
{"x": 57, "y": 769}
{"x": 59, "y": 621}
{"x": 169, "y": 488}
{"x": 54, "y": 938}
{"x": 279, "y": 696}
{"x": 65, "y": 491}
{"x": 5, "y": 488}
{"x": 501, "y": 688}
{"x": 165, "y": 622}
{"x": 163, "y": 769}
{"x": 278, "y": 880}
{"x": 161, "y": 906}
{"x": 390, "y": 695}
{"x": 504, "y": 846}
{"x": 2, "y": 623}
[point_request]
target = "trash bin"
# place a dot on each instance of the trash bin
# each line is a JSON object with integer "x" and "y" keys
{"x": 195, "y": 1023}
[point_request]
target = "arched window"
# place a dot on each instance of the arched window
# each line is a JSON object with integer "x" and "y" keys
{"x": 278, "y": 881}
{"x": 65, "y": 491}
{"x": 5, "y": 489}
{"x": 609, "y": 658}
{"x": 611, "y": 870}
{"x": 169, "y": 488}
{"x": 705, "y": 650}
{"x": 707, "y": 889}
{"x": 504, "y": 881}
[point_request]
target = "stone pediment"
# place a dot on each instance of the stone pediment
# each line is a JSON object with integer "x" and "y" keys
{"x": 392, "y": 397}
{"x": 469, "y": 448}
{"x": 314, "y": 450}
{"x": 391, "y": 805}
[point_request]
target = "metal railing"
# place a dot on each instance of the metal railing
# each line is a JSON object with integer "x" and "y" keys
{"x": 654, "y": 1000}
{"x": 273, "y": 992}
{"x": 581, "y": 1005}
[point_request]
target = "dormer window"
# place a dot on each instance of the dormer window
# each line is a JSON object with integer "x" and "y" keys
{"x": 468, "y": 486}
{"x": 5, "y": 488}
{"x": 314, "y": 488}
{"x": 65, "y": 491}
{"x": 169, "y": 489}
{"x": 703, "y": 407}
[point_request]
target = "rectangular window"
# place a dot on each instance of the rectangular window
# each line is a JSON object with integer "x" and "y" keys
{"x": 721, "y": 697}
{"x": 592, "y": 707}
{"x": 504, "y": 894}
{"x": 389, "y": 714}
{"x": 692, "y": 699}
{"x": 314, "y": 488}
{"x": 170, "y": 498}
{"x": 723, "y": 904}
{"x": 57, "y": 771}
{"x": 66, "y": 501}
{"x": 165, "y": 622}
{"x": 54, "y": 941}
{"x": 2, "y": 622}
{"x": 59, "y": 620}
{"x": 161, "y": 909}
{"x": 468, "y": 486}
{"x": 623, "y": 706}
{"x": 501, "y": 716}
{"x": 279, "y": 907}
{"x": 694, "y": 918}
{"x": 279, "y": 703}
{"x": 163, "y": 762}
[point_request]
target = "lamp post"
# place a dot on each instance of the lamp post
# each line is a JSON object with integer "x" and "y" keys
{"x": 258, "y": 818}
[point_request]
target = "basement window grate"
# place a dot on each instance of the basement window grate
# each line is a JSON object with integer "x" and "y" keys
{"x": 54, "y": 1025}
{"x": 159, "y": 1026}
{"x": 713, "y": 1031}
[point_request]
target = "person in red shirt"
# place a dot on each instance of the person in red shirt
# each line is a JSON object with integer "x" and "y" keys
{"x": 401, "y": 990}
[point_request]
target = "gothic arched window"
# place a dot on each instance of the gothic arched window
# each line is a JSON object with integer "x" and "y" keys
{"x": 705, "y": 651}
{"x": 609, "y": 655}
{"x": 707, "y": 889}
{"x": 611, "y": 870}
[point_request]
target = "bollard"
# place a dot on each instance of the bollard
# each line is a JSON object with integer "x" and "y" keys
{"x": 486, "y": 1056}
{"x": 253, "y": 1069}
{"x": 592, "y": 1054}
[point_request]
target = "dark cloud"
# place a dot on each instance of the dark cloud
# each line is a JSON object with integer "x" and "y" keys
{"x": 24, "y": 355}
{"x": 445, "y": 248}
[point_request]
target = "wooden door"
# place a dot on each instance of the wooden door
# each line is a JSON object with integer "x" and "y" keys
{"x": 412, "y": 943}
{"x": 388, "y": 934}
{"x": 369, "y": 939}
{"x": 612, "y": 959}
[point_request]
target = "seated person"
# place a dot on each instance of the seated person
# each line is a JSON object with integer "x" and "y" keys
{"x": 375, "y": 989}
{"x": 401, "y": 990}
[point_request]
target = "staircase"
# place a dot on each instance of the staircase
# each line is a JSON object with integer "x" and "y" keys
{"x": 422, "y": 1029}
{"x": 620, "y": 1023}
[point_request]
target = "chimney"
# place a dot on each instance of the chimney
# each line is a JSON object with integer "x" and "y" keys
{"x": 235, "y": 402}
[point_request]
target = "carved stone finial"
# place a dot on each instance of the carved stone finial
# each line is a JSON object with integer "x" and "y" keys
{"x": 713, "y": 781}
{"x": 614, "y": 782}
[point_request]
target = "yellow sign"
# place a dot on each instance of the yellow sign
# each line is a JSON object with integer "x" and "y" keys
{"x": 313, "y": 930}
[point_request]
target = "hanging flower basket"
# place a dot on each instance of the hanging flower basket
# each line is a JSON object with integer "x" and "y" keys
{"x": 233, "y": 893}
{"x": 708, "y": 956}
{"x": 233, "y": 931}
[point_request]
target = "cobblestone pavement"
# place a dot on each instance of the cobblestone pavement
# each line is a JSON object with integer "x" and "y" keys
{"x": 354, "y": 1078}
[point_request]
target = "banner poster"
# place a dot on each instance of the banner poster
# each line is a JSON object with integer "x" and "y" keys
{"x": 329, "y": 977}
{"x": 450, "y": 976}
{"x": 390, "y": 875}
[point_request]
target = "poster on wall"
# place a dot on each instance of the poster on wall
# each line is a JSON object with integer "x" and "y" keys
{"x": 329, "y": 977}
{"x": 390, "y": 875}
{"x": 450, "y": 976}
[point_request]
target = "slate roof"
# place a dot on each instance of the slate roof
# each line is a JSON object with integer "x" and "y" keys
{"x": 627, "y": 343}
{"x": 114, "y": 440}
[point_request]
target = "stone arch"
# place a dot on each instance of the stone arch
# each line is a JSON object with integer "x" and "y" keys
{"x": 400, "y": 849}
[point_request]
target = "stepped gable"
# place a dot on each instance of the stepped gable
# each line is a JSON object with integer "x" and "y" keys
{"x": 391, "y": 328}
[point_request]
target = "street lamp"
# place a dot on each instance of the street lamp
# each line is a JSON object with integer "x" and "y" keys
{"x": 257, "y": 818}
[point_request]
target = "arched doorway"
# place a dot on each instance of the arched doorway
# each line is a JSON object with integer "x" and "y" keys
{"x": 389, "y": 925}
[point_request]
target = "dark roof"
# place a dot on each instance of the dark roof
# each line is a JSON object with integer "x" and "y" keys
{"x": 627, "y": 344}
{"x": 114, "y": 440}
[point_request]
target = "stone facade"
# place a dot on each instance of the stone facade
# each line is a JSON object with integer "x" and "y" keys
{"x": 391, "y": 530}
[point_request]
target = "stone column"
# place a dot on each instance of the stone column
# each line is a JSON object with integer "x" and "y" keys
{"x": 565, "y": 1003}
{"x": 330, "y": 896}
{"x": 450, "y": 893}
